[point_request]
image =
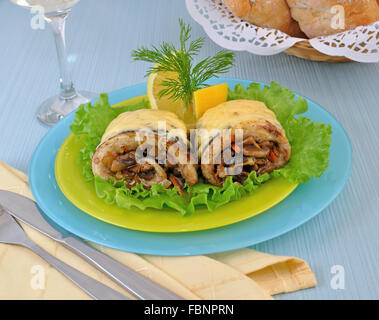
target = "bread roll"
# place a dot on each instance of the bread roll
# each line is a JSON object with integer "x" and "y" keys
{"x": 266, "y": 14}
{"x": 317, "y": 18}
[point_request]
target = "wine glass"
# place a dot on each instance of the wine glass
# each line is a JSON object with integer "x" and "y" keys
{"x": 55, "y": 12}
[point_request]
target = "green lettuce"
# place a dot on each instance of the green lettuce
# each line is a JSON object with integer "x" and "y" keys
{"x": 310, "y": 144}
{"x": 158, "y": 197}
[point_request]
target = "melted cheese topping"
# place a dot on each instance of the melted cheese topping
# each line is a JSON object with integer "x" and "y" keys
{"x": 146, "y": 120}
{"x": 232, "y": 114}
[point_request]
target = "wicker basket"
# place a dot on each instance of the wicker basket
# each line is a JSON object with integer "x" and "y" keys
{"x": 304, "y": 50}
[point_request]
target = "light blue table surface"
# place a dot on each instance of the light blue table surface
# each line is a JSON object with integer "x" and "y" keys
{"x": 101, "y": 35}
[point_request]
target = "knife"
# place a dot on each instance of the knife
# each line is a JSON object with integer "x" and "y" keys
{"x": 28, "y": 212}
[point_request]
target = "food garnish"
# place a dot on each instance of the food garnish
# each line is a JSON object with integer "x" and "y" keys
{"x": 186, "y": 77}
{"x": 154, "y": 87}
{"x": 209, "y": 97}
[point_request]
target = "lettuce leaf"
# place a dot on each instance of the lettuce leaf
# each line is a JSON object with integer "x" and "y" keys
{"x": 310, "y": 144}
{"x": 158, "y": 197}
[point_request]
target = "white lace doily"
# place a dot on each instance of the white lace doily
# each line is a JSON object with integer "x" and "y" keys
{"x": 230, "y": 32}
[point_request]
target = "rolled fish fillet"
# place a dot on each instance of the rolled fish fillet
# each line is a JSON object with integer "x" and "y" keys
{"x": 145, "y": 146}
{"x": 262, "y": 145}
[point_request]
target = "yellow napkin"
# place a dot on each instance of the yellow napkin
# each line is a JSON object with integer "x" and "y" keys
{"x": 239, "y": 274}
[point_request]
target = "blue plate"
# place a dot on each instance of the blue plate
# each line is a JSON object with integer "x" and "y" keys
{"x": 303, "y": 204}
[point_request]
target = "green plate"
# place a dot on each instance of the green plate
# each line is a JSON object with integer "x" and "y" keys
{"x": 82, "y": 194}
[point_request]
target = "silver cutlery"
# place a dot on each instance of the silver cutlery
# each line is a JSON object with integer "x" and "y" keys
{"x": 28, "y": 212}
{"x": 12, "y": 233}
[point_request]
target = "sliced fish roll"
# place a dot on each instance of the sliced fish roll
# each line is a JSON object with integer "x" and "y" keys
{"x": 146, "y": 146}
{"x": 238, "y": 137}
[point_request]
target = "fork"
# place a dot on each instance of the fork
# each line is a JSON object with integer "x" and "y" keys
{"x": 12, "y": 233}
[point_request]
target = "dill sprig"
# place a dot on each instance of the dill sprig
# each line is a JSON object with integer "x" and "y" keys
{"x": 191, "y": 77}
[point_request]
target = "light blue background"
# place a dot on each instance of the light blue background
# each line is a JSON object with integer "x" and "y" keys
{"x": 101, "y": 35}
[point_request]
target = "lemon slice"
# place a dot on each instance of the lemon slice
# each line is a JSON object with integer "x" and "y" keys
{"x": 154, "y": 87}
{"x": 209, "y": 97}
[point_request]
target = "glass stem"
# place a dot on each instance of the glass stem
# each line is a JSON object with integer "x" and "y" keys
{"x": 57, "y": 24}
